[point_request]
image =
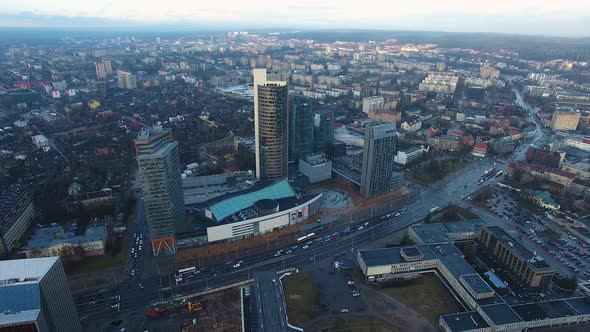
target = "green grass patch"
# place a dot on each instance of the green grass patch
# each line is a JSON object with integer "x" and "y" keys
{"x": 110, "y": 260}
{"x": 302, "y": 298}
{"x": 433, "y": 171}
{"x": 427, "y": 295}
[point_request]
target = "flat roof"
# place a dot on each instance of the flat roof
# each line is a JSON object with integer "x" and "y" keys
{"x": 501, "y": 314}
{"x": 390, "y": 256}
{"x": 453, "y": 259}
{"x": 465, "y": 321}
{"x": 544, "y": 310}
{"x": 26, "y": 268}
{"x": 270, "y": 302}
{"x": 439, "y": 232}
{"x": 581, "y": 304}
{"x": 225, "y": 208}
{"x": 412, "y": 251}
{"x": 12, "y": 318}
{"x": 476, "y": 283}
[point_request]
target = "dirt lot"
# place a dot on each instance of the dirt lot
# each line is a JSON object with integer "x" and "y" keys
{"x": 426, "y": 295}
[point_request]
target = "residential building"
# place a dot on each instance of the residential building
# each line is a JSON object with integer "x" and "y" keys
{"x": 579, "y": 142}
{"x": 373, "y": 103}
{"x": 487, "y": 72}
{"x": 377, "y": 173}
{"x": 581, "y": 169}
{"x": 126, "y": 80}
{"x": 545, "y": 157}
{"x": 541, "y": 198}
{"x": 323, "y": 129}
{"x": 413, "y": 123}
{"x": 301, "y": 128}
{"x": 531, "y": 268}
{"x": 445, "y": 142}
{"x": 271, "y": 126}
{"x": 316, "y": 167}
{"x": 104, "y": 69}
{"x": 565, "y": 120}
{"x": 440, "y": 82}
{"x": 55, "y": 241}
{"x": 409, "y": 155}
{"x": 16, "y": 214}
{"x": 385, "y": 116}
{"x": 480, "y": 150}
{"x": 36, "y": 296}
{"x": 159, "y": 168}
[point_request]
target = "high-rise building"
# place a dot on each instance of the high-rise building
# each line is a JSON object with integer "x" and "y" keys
{"x": 300, "y": 128}
{"x": 16, "y": 214}
{"x": 373, "y": 103}
{"x": 103, "y": 69}
{"x": 378, "y": 176}
{"x": 159, "y": 168}
{"x": 565, "y": 120}
{"x": 126, "y": 80}
{"x": 35, "y": 296}
{"x": 323, "y": 129}
{"x": 271, "y": 126}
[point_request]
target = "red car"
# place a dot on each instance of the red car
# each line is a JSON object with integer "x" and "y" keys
{"x": 156, "y": 312}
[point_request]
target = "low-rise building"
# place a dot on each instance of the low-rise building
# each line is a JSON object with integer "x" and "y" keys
{"x": 445, "y": 142}
{"x": 480, "y": 150}
{"x": 54, "y": 241}
{"x": 541, "y": 198}
{"x": 410, "y": 155}
{"x": 316, "y": 167}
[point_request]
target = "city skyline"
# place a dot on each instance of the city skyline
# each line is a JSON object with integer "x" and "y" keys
{"x": 524, "y": 17}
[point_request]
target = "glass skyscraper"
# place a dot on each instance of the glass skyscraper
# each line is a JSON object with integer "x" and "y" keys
{"x": 271, "y": 126}
{"x": 378, "y": 176}
{"x": 159, "y": 168}
{"x": 300, "y": 128}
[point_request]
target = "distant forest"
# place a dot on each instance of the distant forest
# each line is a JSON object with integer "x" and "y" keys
{"x": 529, "y": 47}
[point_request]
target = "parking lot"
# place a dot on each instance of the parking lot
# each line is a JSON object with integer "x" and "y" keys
{"x": 562, "y": 250}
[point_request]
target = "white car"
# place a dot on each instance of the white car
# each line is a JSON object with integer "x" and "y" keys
{"x": 237, "y": 265}
{"x": 343, "y": 310}
{"x": 305, "y": 246}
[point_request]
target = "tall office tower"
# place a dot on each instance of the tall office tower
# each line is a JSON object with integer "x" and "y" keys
{"x": 300, "y": 128}
{"x": 159, "y": 168}
{"x": 378, "y": 176}
{"x": 271, "y": 126}
{"x": 323, "y": 130}
{"x": 35, "y": 296}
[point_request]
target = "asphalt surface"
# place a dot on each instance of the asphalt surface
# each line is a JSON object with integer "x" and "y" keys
{"x": 141, "y": 289}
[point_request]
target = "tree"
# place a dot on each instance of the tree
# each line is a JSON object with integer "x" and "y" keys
{"x": 428, "y": 218}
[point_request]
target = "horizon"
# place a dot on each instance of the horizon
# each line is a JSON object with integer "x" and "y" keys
{"x": 527, "y": 17}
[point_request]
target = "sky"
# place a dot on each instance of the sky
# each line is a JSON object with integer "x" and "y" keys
{"x": 545, "y": 17}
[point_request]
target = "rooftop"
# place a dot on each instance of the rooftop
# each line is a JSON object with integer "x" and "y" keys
{"x": 476, "y": 283}
{"x": 50, "y": 236}
{"x": 501, "y": 314}
{"x": 465, "y": 321}
{"x": 34, "y": 268}
{"x": 226, "y": 208}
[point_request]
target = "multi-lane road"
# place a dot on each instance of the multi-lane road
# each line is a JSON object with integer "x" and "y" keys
{"x": 139, "y": 290}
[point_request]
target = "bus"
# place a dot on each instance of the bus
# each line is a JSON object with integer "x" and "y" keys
{"x": 306, "y": 237}
{"x": 501, "y": 161}
{"x": 187, "y": 270}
